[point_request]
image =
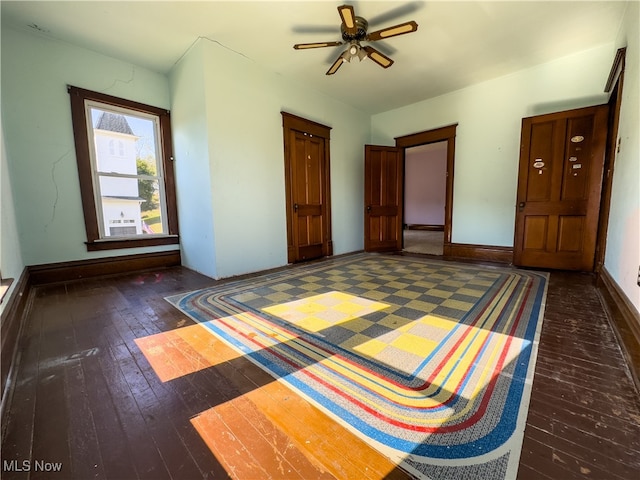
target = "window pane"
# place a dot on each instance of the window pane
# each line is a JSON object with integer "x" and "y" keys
{"x": 131, "y": 202}
{"x": 122, "y": 140}
{"x": 152, "y": 216}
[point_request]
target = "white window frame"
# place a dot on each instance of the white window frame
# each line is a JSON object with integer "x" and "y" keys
{"x": 96, "y": 174}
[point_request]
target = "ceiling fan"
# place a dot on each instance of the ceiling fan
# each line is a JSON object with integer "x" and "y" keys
{"x": 354, "y": 31}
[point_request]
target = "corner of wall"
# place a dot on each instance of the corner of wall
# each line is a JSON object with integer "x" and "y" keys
{"x": 192, "y": 162}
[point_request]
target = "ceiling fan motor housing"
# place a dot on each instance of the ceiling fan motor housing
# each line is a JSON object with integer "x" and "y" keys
{"x": 361, "y": 33}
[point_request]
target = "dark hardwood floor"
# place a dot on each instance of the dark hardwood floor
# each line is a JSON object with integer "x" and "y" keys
{"x": 86, "y": 398}
{"x": 584, "y": 416}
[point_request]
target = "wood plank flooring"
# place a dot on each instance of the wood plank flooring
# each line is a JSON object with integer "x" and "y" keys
{"x": 87, "y": 399}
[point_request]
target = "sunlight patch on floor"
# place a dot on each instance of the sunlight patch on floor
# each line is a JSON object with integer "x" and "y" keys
{"x": 323, "y": 311}
{"x": 183, "y": 351}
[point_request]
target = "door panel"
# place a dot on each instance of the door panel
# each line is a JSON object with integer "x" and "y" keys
{"x": 576, "y": 180}
{"x": 570, "y": 233}
{"x": 539, "y": 186}
{"x": 383, "y": 198}
{"x": 559, "y": 184}
{"x": 535, "y": 229}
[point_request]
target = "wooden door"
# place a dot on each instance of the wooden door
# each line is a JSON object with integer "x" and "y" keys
{"x": 559, "y": 188}
{"x": 307, "y": 182}
{"x": 382, "y": 198}
{"x": 308, "y": 201}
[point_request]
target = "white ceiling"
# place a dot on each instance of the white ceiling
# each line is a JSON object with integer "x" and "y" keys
{"x": 457, "y": 43}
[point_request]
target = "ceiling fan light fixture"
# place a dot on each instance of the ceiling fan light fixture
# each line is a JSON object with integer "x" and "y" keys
{"x": 355, "y": 50}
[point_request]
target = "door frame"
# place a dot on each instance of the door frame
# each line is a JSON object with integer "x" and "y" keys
{"x": 613, "y": 87}
{"x": 292, "y": 123}
{"x": 448, "y": 134}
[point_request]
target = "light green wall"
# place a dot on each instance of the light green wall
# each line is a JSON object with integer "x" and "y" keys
{"x": 242, "y": 103}
{"x": 489, "y": 117}
{"x": 39, "y": 138}
{"x": 623, "y": 238}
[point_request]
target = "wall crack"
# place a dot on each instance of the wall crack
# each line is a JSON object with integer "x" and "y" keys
{"x": 212, "y": 41}
{"x": 124, "y": 82}
{"x": 55, "y": 184}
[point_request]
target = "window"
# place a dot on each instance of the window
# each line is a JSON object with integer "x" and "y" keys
{"x": 124, "y": 158}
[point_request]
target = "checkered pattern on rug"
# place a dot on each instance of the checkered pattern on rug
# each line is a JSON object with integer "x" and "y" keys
{"x": 377, "y": 308}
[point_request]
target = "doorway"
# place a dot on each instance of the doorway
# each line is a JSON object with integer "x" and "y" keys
{"x": 439, "y": 143}
{"x": 425, "y": 178}
{"x": 384, "y": 189}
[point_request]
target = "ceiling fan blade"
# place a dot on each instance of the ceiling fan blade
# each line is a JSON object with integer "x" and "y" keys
{"x": 401, "y": 11}
{"x": 302, "y": 46}
{"x": 337, "y": 64}
{"x": 348, "y": 18}
{"x": 394, "y": 31}
{"x": 319, "y": 29}
{"x": 378, "y": 57}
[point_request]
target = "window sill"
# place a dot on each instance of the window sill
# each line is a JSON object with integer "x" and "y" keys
{"x": 5, "y": 283}
{"x": 104, "y": 244}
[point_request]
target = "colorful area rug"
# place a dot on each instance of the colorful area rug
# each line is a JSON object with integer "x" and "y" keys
{"x": 430, "y": 362}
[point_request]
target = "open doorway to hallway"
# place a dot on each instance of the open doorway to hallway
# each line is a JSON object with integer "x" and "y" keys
{"x": 425, "y": 198}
